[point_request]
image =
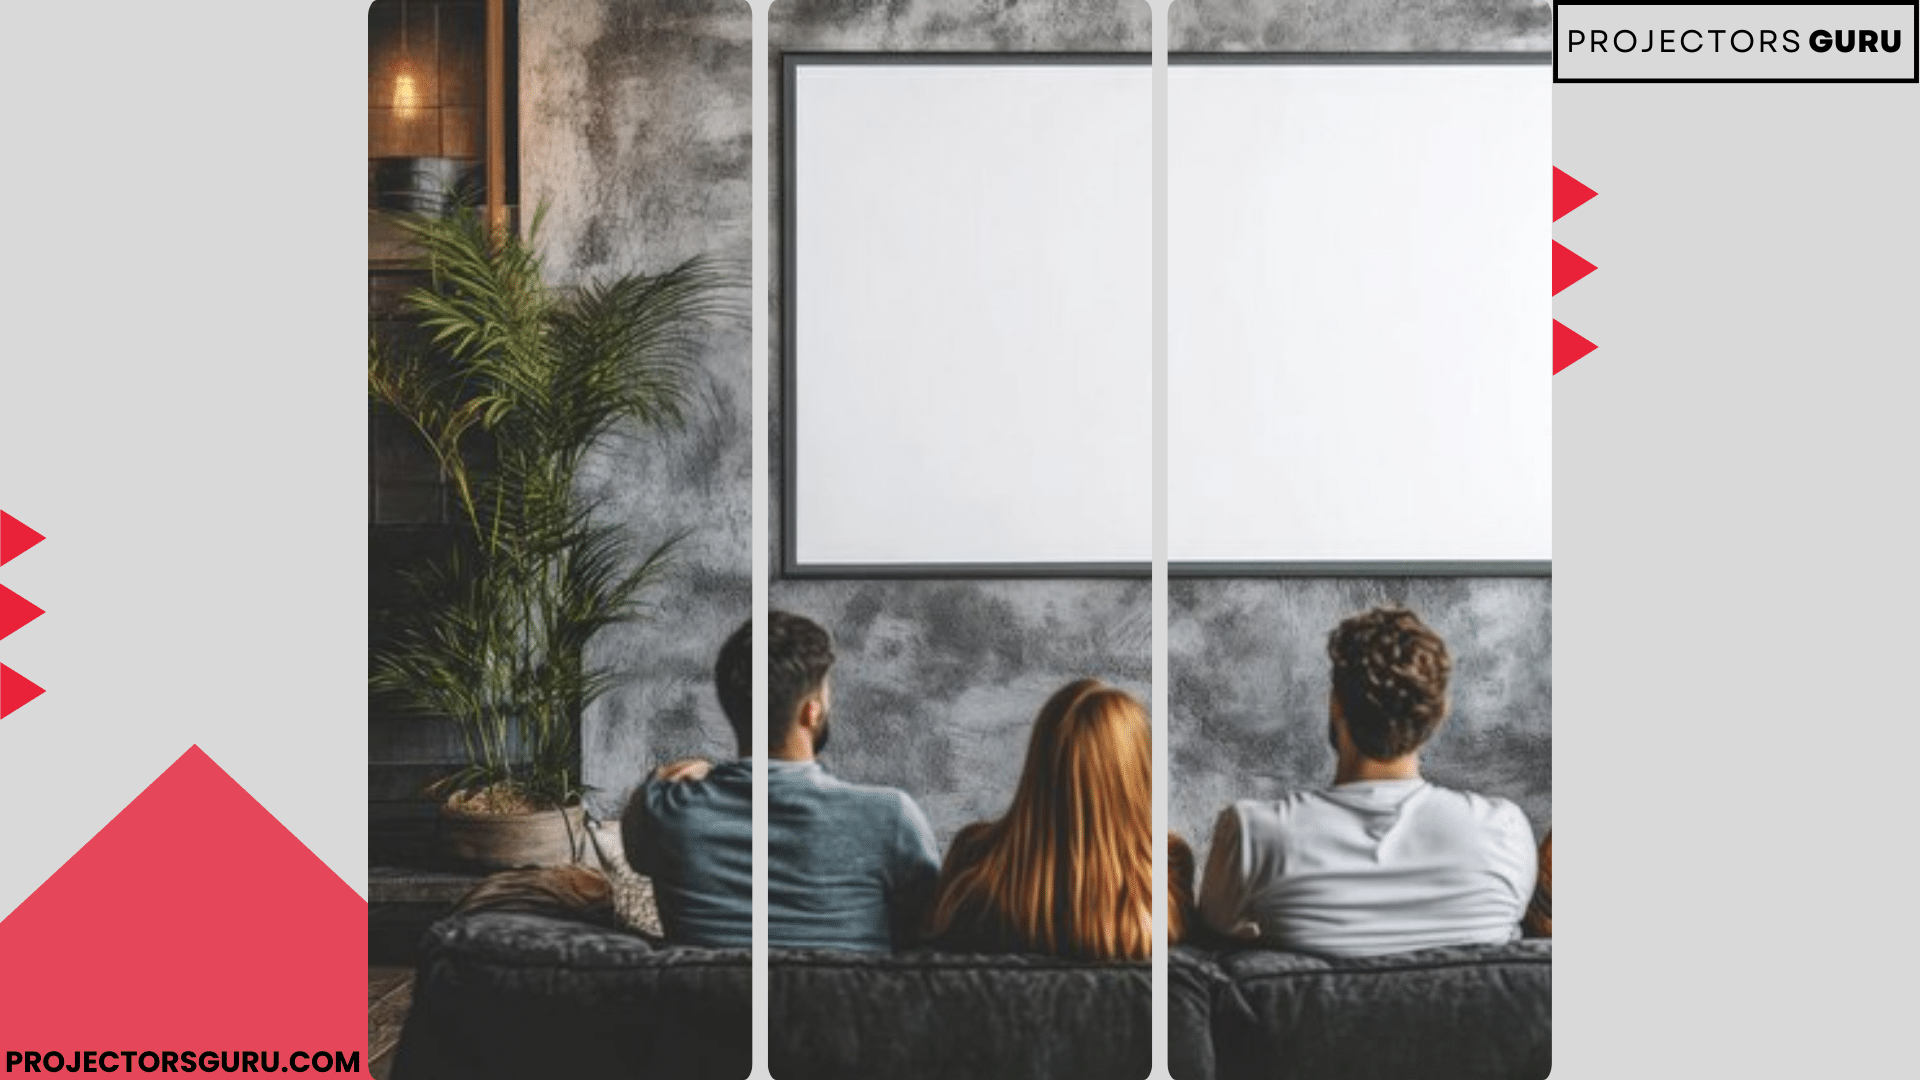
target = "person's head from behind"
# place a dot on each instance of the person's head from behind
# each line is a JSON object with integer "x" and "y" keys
{"x": 1079, "y": 835}
{"x": 1389, "y": 683}
{"x": 799, "y": 656}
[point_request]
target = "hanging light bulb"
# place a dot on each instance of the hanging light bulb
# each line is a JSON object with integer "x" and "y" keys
{"x": 406, "y": 94}
{"x": 406, "y": 89}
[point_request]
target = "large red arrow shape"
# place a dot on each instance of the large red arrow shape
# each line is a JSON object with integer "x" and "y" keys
{"x": 15, "y": 537}
{"x": 1568, "y": 347}
{"x": 15, "y": 611}
{"x": 1568, "y": 267}
{"x": 15, "y": 690}
{"x": 1568, "y": 194}
{"x": 240, "y": 937}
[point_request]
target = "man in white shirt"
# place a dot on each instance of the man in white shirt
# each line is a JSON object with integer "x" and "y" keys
{"x": 1382, "y": 861}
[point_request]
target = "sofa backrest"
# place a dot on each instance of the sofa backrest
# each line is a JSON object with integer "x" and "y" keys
{"x": 1475, "y": 1011}
{"x": 503, "y": 994}
{"x": 515, "y": 994}
{"x": 960, "y": 1017}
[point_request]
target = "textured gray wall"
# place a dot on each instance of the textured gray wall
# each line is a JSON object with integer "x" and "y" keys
{"x": 635, "y": 120}
{"x": 1360, "y": 25}
{"x": 938, "y": 681}
{"x": 1250, "y": 685}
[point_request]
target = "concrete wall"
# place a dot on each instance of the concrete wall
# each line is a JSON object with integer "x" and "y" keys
{"x": 1360, "y": 25}
{"x": 636, "y": 130}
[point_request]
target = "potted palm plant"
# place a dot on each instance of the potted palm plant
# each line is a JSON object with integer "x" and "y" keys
{"x": 511, "y": 384}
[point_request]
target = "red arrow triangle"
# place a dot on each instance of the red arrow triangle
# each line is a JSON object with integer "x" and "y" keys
{"x": 1568, "y": 347}
{"x": 14, "y": 537}
{"x": 1568, "y": 267}
{"x": 204, "y": 957}
{"x": 15, "y": 611}
{"x": 1568, "y": 194}
{"x": 15, "y": 690}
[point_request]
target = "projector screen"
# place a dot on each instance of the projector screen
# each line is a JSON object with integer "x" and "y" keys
{"x": 969, "y": 296}
{"x": 1358, "y": 315}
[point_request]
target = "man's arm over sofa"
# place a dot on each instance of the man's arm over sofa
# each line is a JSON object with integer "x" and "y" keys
{"x": 1227, "y": 887}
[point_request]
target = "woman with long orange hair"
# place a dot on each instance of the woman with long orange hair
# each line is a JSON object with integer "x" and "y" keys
{"x": 1068, "y": 870}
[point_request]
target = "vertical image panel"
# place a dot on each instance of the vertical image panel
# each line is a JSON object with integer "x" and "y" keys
{"x": 962, "y": 484}
{"x": 559, "y": 528}
{"x": 1360, "y": 625}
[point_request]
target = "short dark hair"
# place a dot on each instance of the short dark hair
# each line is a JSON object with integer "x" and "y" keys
{"x": 1390, "y": 679}
{"x": 799, "y": 655}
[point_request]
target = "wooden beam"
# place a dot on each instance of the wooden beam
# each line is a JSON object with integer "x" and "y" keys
{"x": 497, "y": 116}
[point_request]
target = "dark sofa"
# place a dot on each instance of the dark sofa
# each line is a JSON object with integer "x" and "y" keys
{"x": 520, "y": 994}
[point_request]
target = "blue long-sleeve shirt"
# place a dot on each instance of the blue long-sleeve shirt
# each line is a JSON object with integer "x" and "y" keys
{"x": 849, "y": 866}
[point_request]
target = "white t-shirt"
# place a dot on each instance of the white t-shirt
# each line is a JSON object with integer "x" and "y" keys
{"x": 1376, "y": 866}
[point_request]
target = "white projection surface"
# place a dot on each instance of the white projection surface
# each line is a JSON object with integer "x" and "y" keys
{"x": 1358, "y": 315}
{"x": 972, "y": 287}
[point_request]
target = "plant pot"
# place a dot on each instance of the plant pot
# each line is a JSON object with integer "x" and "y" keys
{"x": 510, "y": 841}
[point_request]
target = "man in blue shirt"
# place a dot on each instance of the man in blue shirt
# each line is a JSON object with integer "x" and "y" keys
{"x": 849, "y": 866}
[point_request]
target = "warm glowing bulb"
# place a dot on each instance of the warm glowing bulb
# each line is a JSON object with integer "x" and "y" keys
{"x": 406, "y": 99}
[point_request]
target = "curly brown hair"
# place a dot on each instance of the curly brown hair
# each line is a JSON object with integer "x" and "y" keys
{"x": 1390, "y": 680}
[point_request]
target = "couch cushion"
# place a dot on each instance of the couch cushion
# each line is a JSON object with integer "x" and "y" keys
{"x": 514, "y": 995}
{"x": 1473, "y": 1011}
{"x": 935, "y": 1015}
{"x": 1200, "y": 998}
{"x": 519, "y": 994}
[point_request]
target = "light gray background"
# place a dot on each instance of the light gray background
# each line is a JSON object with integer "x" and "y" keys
{"x": 183, "y": 414}
{"x": 1734, "y": 523}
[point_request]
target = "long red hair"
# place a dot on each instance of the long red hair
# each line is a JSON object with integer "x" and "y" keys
{"x": 1539, "y": 920}
{"x": 1068, "y": 869}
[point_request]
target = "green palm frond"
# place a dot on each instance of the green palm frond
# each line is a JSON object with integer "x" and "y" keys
{"x": 520, "y": 382}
